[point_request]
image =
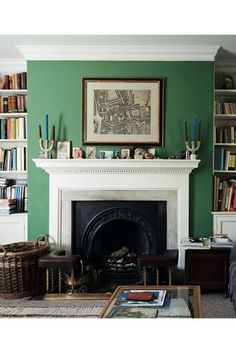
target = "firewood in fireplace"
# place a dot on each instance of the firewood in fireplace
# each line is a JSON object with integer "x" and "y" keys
{"x": 120, "y": 253}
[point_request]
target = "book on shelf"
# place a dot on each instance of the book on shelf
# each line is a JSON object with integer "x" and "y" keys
{"x": 13, "y": 128}
{"x": 13, "y": 159}
{"x": 16, "y": 190}
{"x": 7, "y": 202}
{"x": 13, "y": 104}
{"x": 224, "y": 194}
{"x": 227, "y": 107}
{"x": 7, "y": 206}
{"x": 15, "y": 81}
{"x": 158, "y": 297}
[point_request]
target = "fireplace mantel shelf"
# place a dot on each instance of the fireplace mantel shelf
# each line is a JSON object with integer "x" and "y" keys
{"x": 156, "y": 166}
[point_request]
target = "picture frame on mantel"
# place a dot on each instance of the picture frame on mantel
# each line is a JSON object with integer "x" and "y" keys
{"x": 123, "y": 111}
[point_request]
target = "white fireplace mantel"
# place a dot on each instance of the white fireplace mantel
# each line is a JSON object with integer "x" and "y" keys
{"x": 59, "y": 166}
{"x": 118, "y": 179}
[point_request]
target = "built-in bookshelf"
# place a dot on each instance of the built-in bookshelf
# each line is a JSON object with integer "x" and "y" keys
{"x": 224, "y": 150}
{"x": 13, "y": 143}
{"x": 224, "y": 168}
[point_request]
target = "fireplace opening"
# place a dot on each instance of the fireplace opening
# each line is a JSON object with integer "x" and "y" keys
{"x": 110, "y": 235}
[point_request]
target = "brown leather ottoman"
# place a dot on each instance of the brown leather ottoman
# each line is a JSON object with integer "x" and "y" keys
{"x": 168, "y": 259}
{"x": 60, "y": 260}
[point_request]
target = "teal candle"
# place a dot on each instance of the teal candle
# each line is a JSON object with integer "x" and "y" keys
{"x": 46, "y": 127}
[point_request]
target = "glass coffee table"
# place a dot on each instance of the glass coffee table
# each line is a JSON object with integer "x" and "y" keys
{"x": 154, "y": 302}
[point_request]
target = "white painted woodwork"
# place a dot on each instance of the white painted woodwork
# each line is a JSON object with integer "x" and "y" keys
{"x": 13, "y": 228}
{"x": 225, "y": 222}
{"x": 86, "y": 179}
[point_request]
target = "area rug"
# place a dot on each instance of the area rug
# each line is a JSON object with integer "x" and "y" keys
{"x": 51, "y": 309}
{"x": 213, "y": 306}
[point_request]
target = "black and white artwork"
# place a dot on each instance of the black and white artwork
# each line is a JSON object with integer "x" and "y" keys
{"x": 122, "y": 111}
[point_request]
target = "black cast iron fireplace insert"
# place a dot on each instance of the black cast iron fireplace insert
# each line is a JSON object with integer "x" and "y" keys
{"x": 100, "y": 228}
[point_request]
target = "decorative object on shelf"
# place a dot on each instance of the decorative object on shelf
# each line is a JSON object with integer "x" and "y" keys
{"x": 90, "y": 152}
{"x": 78, "y": 153}
{"x": 223, "y": 81}
{"x": 195, "y": 144}
{"x": 125, "y": 153}
{"x": 144, "y": 153}
{"x": 117, "y": 154}
{"x": 63, "y": 149}
{"x": 138, "y": 153}
{"x": 45, "y": 145}
{"x": 106, "y": 154}
{"x": 123, "y": 111}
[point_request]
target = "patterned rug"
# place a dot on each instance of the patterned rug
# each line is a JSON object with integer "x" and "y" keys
{"x": 51, "y": 309}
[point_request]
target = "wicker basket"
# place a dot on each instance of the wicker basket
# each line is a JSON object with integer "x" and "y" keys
{"x": 20, "y": 275}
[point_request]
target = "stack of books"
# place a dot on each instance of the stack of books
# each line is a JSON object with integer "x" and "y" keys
{"x": 221, "y": 241}
{"x": 7, "y": 206}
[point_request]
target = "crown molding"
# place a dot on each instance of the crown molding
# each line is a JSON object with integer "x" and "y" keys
{"x": 9, "y": 65}
{"x": 118, "y": 52}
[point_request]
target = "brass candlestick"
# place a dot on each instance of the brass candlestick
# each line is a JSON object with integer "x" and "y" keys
{"x": 46, "y": 147}
{"x": 195, "y": 145}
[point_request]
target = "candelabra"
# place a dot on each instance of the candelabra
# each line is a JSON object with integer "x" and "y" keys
{"x": 195, "y": 145}
{"x": 46, "y": 147}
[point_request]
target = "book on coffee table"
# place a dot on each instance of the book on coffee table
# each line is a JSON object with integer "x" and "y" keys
{"x": 137, "y": 312}
{"x": 141, "y": 298}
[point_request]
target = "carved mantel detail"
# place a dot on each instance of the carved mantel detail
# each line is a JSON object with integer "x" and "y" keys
{"x": 133, "y": 166}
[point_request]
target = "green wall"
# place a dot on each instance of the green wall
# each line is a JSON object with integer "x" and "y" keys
{"x": 54, "y": 87}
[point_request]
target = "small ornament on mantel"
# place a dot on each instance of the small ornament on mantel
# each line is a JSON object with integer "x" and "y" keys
{"x": 193, "y": 147}
{"x": 45, "y": 145}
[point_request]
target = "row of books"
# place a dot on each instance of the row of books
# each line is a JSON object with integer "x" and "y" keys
{"x": 225, "y": 107}
{"x": 224, "y": 198}
{"x": 7, "y": 206}
{"x": 13, "y": 159}
{"x": 224, "y": 159}
{"x": 15, "y": 81}
{"x": 13, "y": 196}
{"x": 13, "y": 128}
{"x": 13, "y": 104}
{"x": 226, "y": 134}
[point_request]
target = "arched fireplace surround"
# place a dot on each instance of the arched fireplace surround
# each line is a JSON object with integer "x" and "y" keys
{"x": 101, "y": 227}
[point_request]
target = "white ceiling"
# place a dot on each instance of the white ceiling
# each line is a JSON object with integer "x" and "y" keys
{"x": 227, "y": 43}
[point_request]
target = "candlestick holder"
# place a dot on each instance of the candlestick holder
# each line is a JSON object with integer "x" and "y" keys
{"x": 46, "y": 147}
{"x": 195, "y": 145}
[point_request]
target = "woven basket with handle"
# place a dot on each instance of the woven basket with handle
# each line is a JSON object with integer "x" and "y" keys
{"x": 20, "y": 275}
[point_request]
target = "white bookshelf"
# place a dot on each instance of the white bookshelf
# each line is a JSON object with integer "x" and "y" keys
{"x": 13, "y": 227}
{"x": 224, "y": 221}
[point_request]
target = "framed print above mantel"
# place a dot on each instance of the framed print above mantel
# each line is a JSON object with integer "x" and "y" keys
{"x": 123, "y": 111}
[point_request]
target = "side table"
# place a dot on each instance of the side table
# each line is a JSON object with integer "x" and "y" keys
{"x": 207, "y": 268}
